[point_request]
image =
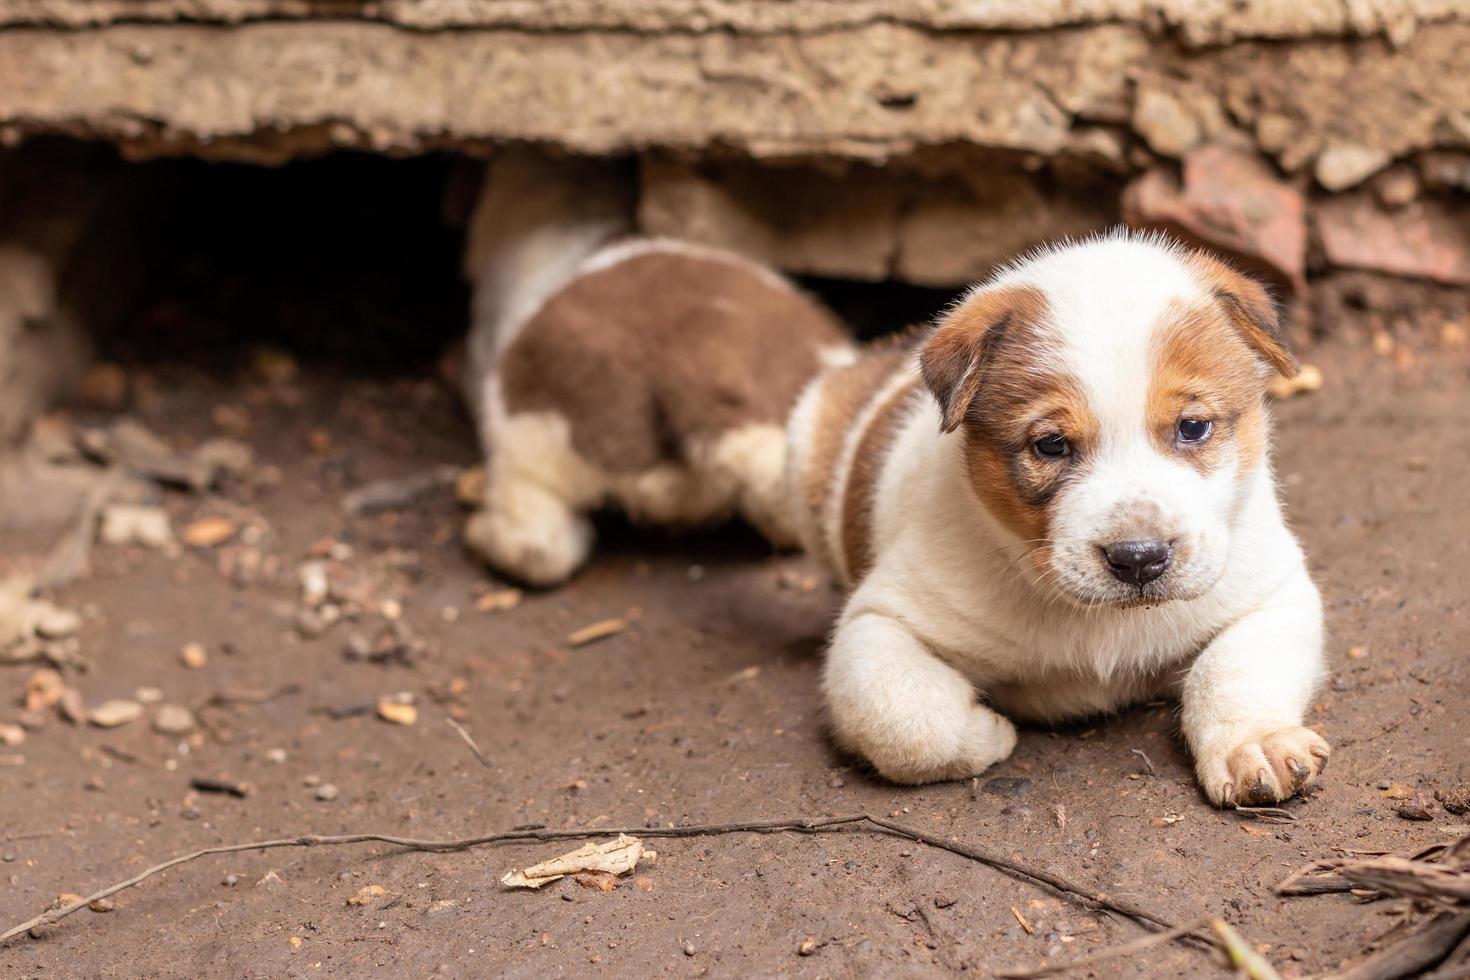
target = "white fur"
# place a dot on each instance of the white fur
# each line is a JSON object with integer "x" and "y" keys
{"x": 539, "y": 225}
{"x": 952, "y": 606}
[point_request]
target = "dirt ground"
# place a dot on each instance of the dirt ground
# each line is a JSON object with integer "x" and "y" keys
{"x": 704, "y": 709}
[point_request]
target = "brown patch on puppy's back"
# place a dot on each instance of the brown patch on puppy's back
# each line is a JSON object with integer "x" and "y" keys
{"x": 868, "y": 458}
{"x": 662, "y": 348}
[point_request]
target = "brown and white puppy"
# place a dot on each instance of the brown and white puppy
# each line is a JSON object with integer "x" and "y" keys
{"x": 1057, "y": 502}
{"x": 648, "y": 374}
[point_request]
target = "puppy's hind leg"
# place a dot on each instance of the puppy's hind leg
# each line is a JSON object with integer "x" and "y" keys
{"x": 528, "y": 532}
{"x": 533, "y": 525}
{"x": 911, "y": 714}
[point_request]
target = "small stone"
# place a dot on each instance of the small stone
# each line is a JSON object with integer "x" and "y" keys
{"x": 1344, "y": 165}
{"x": 173, "y": 719}
{"x": 326, "y": 792}
{"x": 1008, "y": 787}
{"x": 689, "y": 949}
{"x": 55, "y": 623}
{"x": 1413, "y": 811}
{"x": 1169, "y": 126}
{"x": 230, "y": 881}
{"x": 134, "y": 524}
{"x": 367, "y": 894}
{"x": 45, "y": 689}
{"x": 807, "y": 946}
{"x": 193, "y": 656}
{"x": 11, "y": 735}
{"x": 836, "y": 782}
{"x": 115, "y": 713}
{"x": 102, "y": 905}
{"x": 70, "y": 706}
{"x": 148, "y": 695}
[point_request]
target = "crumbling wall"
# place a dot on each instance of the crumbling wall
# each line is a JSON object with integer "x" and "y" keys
{"x": 920, "y": 140}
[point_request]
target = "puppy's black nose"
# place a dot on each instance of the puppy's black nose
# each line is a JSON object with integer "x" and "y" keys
{"x": 1137, "y": 562}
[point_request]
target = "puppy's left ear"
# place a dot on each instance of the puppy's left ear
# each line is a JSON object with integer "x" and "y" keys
{"x": 952, "y": 360}
{"x": 1253, "y": 312}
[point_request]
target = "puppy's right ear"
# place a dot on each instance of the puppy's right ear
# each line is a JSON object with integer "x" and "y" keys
{"x": 953, "y": 359}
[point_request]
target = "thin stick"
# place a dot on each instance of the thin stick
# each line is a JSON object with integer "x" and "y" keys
{"x": 469, "y": 741}
{"x": 1242, "y": 955}
{"x": 1146, "y": 760}
{"x": 1112, "y": 952}
{"x": 1076, "y": 893}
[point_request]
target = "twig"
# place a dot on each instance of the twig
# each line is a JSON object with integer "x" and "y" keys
{"x": 1266, "y": 814}
{"x": 1073, "y": 892}
{"x": 1427, "y": 945}
{"x": 1146, "y": 760}
{"x": 1242, "y": 954}
{"x": 1112, "y": 952}
{"x": 469, "y": 741}
{"x": 397, "y": 492}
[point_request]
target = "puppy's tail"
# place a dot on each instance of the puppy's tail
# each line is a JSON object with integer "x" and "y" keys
{"x": 536, "y": 219}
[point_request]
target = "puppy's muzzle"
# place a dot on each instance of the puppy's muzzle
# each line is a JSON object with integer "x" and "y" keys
{"x": 1137, "y": 562}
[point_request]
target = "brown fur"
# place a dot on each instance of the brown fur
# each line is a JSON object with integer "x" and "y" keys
{"x": 661, "y": 349}
{"x": 982, "y": 368}
{"x": 1249, "y": 309}
{"x": 1204, "y": 368}
{"x": 844, "y": 393}
{"x": 862, "y": 477}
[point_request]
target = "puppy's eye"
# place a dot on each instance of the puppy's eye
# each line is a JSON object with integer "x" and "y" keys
{"x": 1052, "y": 447}
{"x": 1194, "y": 430}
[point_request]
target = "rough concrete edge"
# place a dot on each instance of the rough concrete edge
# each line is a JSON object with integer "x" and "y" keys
{"x": 1196, "y": 22}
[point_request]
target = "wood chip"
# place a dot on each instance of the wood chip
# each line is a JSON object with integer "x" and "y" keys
{"x": 501, "y": 600}
{"x": 1022, "y": 919}
{"x": 597, "y": 631}
{"x": 207, "y": 532}
{"x": 1308, "y": 379}
{"x": 397, "y": 711}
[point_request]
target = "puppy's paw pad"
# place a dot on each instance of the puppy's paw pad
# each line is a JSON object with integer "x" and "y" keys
{"x": 1267, "y": 769}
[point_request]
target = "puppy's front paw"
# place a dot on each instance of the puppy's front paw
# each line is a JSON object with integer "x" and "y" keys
{"x": 1264, "y": 769}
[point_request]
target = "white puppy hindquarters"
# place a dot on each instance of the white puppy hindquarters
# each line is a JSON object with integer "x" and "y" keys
{"x": 1058, "y": 502}
{"x": 657, "y": 378}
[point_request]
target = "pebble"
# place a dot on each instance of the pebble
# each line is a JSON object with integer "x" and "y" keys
{"x": 807, "y": 947}
{"x": 193, "y": 655}
{"x": 54, "y": 623}
{"x": 397, "y": 710}
{"x": 127, "y": 524}
{"x": 173, "y": 719}
{"x": 11, "y": 735}
{"x": 326, "y": 792}
{"x": 689, "y": 949}
{"x": 102, "y": 905}
{"x": 114, "y": 713}
{"x": 1013, "y": 787}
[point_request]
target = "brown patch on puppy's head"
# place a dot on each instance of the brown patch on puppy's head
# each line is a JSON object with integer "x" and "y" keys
{"x": 1206, "y": 373}
{"x": 1250, "y": 309}
{"x": 989, "y": 368}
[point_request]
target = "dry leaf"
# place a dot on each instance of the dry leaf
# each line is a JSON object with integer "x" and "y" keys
{"x": 209, "y": 531}
{"x": 613, "y": 857}
{"x": 597, "y": 631}
{"x": 1398, "y": 791}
